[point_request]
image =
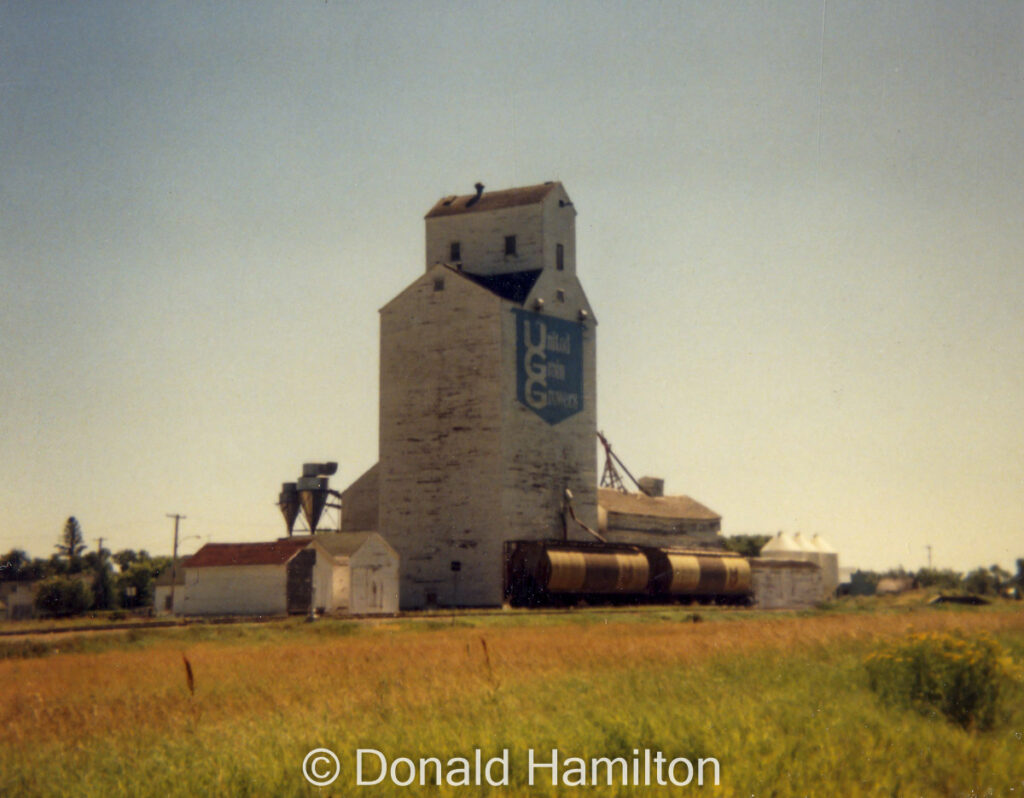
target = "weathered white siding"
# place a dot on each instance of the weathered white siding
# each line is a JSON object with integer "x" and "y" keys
{"x": 661, "y": 532}
{"x": 541, "y": 460}
{"x": 481, "y": 238}
{"x": 464, "y": 466}
{"x": 539, "y": 228}
{"x": 374, "y": 575}
{"x": 440, "y": 435}
{"x": 323, "y": 582}
{"x": 340, "y": 585}
{"x": 785, "y": 584}
{"x": 161, "y": 597}
{"x": 235, "y": 590}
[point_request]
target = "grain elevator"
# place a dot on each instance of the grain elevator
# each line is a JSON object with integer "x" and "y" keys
{"x": 487, "y": 397}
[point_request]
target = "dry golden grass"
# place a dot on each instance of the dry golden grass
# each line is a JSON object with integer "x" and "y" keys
{"x": 141, "y": 692}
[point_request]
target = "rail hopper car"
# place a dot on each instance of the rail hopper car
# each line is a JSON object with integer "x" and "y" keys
{"x": 566, "y": 572}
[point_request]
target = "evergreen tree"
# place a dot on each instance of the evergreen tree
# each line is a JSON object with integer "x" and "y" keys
{"x": 72, "y": 542}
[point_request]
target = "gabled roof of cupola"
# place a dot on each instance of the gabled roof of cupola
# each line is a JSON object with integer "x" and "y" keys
{"x": 491, "y": 200}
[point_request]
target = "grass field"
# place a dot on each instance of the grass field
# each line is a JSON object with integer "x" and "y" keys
{"x": 780, "y": 701}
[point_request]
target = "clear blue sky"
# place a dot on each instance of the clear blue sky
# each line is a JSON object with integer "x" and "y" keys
{"x": 800, "y": 227}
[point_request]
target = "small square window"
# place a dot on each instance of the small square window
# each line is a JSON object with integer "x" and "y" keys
{"x": 510, "y": 245}
{"x": 439, "y": 284}
{"x": 559, "y": 257}
{"x": 560, "y": 295}
{"x": 456, "y": 252}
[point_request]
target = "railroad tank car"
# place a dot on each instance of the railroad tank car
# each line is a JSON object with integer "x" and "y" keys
{"x": 680, "y": 572}
{"x": 566, "y": 572}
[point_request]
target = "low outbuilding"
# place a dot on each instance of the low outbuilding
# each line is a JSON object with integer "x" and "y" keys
{"x": 785, "y": 584}
{"x": 18, "y": 600}
{"x": 272, "y": 578}
{"x": 364, "y": 576}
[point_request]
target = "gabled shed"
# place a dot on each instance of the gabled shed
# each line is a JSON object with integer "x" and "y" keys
{"x": 272, "y": 578}
{"x": 364, "y": 579}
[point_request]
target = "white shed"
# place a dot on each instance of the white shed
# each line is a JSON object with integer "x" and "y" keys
{"x": 779, "y": 582}
{"x": 257, "y": 578}
{"x": 785, "y": 584}
{"x": 365, "y": 575}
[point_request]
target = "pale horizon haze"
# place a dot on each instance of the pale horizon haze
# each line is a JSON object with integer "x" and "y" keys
{"x": 800, "y": 225}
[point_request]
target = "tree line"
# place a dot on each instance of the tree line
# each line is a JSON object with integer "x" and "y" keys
{"x": 991, "y": 581}
{"x": 73, "y": 580}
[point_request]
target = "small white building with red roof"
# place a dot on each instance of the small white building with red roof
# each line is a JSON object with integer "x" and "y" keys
{"x": 331, "y": 573}
{"x": 272, "y": 578}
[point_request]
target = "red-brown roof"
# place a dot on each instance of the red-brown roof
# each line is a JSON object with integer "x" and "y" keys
{"x": 491, "y": 200}
{"x": 221, "y": 554}
{"x": 615, "y": 501}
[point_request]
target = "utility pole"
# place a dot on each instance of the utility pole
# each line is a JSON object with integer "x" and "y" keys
{"x": 174, "y": 558}
{"x": 99, "y": 585}
{"x": 929, "y": 547}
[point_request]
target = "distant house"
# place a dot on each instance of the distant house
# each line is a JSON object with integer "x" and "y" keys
{"x": 18, "y": 600}
{"x": 893, "y": 585}
{"x": 274, "y": 578}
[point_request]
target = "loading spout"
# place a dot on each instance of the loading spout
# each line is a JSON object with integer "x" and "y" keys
{"x": 568, "y": 508}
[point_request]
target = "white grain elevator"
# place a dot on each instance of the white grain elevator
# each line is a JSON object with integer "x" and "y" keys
{"x": 487, "y": 394}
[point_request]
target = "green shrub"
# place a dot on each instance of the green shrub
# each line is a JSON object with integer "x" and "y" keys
{"x": 62, "y": 596}
{"x": 958, "y": 676}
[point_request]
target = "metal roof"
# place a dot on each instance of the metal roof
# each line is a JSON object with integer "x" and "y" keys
{"x": 491, "y": 200}
{"x": 782, "y": 542}
{"x": 615, "y": 501}
{"x": 221, "y": 554}
{"x": 820, "y": 544}
{"x": 345, "y": 544}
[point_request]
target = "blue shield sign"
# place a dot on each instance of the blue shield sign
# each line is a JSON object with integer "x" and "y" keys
{"x": 549, "y": 365}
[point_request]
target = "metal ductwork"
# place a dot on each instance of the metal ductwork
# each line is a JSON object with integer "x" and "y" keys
{"x": 309, "y": 494}
{"x": 312, "y": 498}
{"x": 288, "y": 501}
{"x": 319, "y": 469}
